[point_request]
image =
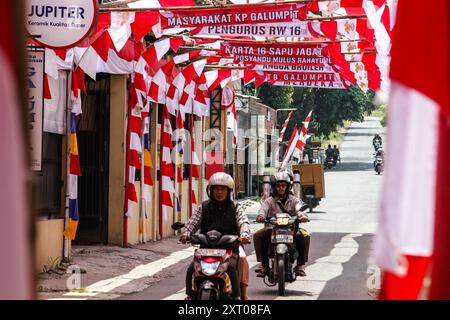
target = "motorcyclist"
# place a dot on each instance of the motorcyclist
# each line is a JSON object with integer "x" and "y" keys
{"x": 377, "y": 138}
{"x": 336, "y": 154}
{"x": 224, "y": 215}
{"x": 281, "y": 201}
{"x": 329, "y": 152}
{"x": 378, "y": 153}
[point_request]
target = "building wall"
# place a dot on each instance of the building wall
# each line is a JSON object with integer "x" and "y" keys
{"x": 49, "y": 243}
{"x": 117, "y": 158}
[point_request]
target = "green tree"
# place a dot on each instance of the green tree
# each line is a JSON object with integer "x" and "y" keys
{"x": 276, "y": 97}
{"x": 330, "y": 107}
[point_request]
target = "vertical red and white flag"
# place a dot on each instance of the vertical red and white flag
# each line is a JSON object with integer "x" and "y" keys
{"x": 413, "y": 236}
{"x": 284, "y": 126}
{"x": 290, "y": 148}
{"x": 303, "y": 136}
{"x": 227, "y": 102}
{"x": 167, "y": 170}
{"x": 134, "y": 158}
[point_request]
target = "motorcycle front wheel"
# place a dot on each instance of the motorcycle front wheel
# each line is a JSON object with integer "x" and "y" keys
{"x": 208, "y": 294}
{"x": 280, "y": 275}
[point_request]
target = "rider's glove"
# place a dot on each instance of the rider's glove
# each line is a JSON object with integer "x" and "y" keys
{"x": 260, "y": 218}
{"x": 184, "y": 238}
{"x": 245, "y": 238}
{"x": 302, "y": 217}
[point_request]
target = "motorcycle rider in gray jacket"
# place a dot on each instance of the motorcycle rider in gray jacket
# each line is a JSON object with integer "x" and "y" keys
{"x": 281, "y": 201}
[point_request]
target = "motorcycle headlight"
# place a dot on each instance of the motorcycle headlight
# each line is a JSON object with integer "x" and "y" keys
{"x": 209, "y": 268}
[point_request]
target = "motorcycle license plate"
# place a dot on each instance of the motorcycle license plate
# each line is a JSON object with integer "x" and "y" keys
{"x": 211, "y": 252}
{"x": 283, "y": 238}
{"x": 282, "y": 221}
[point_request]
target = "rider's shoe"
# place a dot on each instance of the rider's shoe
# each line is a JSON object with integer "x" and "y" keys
{"x": 258, "y": 268}
{"x": 299, "y": 270}
{"x": 263, "y": 271}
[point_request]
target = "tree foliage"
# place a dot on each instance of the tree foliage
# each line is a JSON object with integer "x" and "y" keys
{"x": 330, "y": 107}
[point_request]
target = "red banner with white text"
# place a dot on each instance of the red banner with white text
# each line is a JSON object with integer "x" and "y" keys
{"x": 233, "y": 15}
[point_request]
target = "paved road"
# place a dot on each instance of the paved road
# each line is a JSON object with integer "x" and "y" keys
{"x": 342, "y": 229}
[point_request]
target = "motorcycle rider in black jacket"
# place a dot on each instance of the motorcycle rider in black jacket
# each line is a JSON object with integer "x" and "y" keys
{"x": 224, "y": 215}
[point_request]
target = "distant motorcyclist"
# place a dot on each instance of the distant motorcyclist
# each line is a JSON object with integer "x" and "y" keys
{"x": 378, "y": 153}
{"x": 329, "y": 152}
{"x": 336, "y": 154}
{"x": 377, "y": 142}
{"x": 281, "y": 201}
{"x": 224, "y": 215}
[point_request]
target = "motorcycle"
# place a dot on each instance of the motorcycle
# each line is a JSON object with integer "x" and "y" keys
{"x": 282, "y": 251}
{"x": 210, "y": 280}
{"x": 308, "y": 196}
{"x": 329, "y": 162}
{"x": 378, "y": 164}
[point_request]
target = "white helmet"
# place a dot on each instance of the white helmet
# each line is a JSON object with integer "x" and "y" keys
{"x": 220, "y": 179}
{"x": 282, "y": 176}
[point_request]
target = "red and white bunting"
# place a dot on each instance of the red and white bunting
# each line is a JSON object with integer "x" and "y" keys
{"x": 188, "y": 74}
{"x": 329, "y": 8}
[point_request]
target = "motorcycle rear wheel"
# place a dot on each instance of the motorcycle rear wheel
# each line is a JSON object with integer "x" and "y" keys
{"x": 280, "y": 274}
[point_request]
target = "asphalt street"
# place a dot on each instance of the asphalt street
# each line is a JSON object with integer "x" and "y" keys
{"x": 341, "y": 228}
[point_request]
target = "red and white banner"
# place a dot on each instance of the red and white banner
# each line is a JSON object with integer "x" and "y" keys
{"x": 280, "y": 60}
{"x": 272, "y": 49}
{"x": 411, "y": 243}
{"x": 311, "y": 84}
{"x": 273, "y": 76}
{"x": 287, "y": 29}
{"x": 294, "y": 68}
{"x": 276, "y": 53}
{"x": 233, "y": 15}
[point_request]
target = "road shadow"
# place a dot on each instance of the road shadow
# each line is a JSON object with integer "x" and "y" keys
{"x": 358, "y": 134}
{"x": 354, "y": 273}
{"x": 352, "y": 166}
{"x": 320, "y": 245}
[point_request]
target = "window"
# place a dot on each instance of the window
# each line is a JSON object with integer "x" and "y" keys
{"x": 48, "y": 184}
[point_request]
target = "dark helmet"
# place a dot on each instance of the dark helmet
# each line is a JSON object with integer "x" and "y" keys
{"x": 282, "y": 176}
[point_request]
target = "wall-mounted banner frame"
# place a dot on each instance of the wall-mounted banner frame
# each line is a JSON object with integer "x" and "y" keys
{"x": 35, "y": 86}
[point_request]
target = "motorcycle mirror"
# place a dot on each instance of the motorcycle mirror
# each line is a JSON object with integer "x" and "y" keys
{"x": 177, "y": 225}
